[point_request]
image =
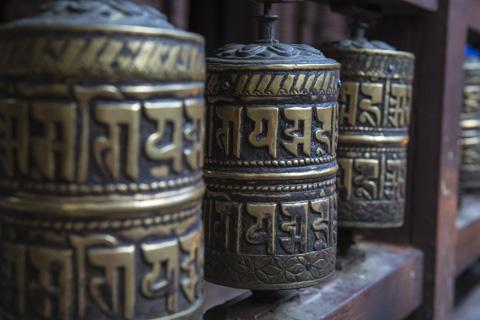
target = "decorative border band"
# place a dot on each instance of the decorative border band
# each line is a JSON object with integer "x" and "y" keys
{"x": 271, "y": 163}
{"x": 342, "y": 149}
{"x": 136, "y": 54}
{"x": 271, "y": 188}
{"x": 76, "y": 189}
{"x": 369, "y": 139}
{"x": 101, "y": 224}
{"x": 101, "y": 205}
{"x": 326, "y": 172}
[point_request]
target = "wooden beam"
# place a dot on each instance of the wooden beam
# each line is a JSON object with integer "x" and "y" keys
{"x": 406, "y": 6}
{"x": 287, "y": 24}
{"x": 434, "y": 179}
{"x": 431, "y": 5}
{"x": 392, "y": 6}
{"x": 473, "y": 15}
{"x": 178, "y": 13}
{"x": 330, "y": 27}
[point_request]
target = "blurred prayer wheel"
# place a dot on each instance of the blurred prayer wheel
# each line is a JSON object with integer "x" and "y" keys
{"x": 270, "y": 207}
{"x": 470, "y": 127}
{"x": 101, "y": 136}
{"x": 375, "y": 102}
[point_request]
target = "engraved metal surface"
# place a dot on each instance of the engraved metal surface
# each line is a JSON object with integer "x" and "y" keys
{"x": 470, "y": 127}
{"x": 270, "y": 169}
{"x": 101, "y": 148}
{"x": 375, "y": 102}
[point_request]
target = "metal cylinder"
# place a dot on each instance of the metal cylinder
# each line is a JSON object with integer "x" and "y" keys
{"x": 270, "y": 207}
{"x": 101, "y": 144}
{"x": 470, "y": 127}
{"x": 375, "y": 101}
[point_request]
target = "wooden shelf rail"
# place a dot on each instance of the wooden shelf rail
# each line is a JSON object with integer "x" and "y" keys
{"x": 469, "y": 308}
{"x": 467, "y": 248}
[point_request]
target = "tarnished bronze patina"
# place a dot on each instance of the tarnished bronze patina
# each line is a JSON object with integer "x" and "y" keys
{"x": 375, "y": 102}
{"x": 101, "y": 134}
{"x": 270, "y": 208}
{"x": 470, "y": 127}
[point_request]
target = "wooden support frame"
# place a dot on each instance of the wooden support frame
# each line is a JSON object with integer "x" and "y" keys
{"x": 438, "y": 42}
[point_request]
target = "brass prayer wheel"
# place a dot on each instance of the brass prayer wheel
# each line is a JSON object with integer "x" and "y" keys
{"x": 270, "y": 169}
{"x": 470, "y": 127}
{"x": 101, "y": 143}
{"x": 375, "y": 101}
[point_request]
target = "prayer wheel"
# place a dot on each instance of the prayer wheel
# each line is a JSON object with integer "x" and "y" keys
{"x": 375, "y": 101}
{"x": 101, "y": 143}
{"x": 470, "y": 127}
{"x": 270, "y": 169}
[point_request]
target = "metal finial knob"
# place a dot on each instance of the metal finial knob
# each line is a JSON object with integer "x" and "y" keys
{"x": 267, "y": 30}
{"x": 359, "y": 27}
{"x": 266, "y": 24}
